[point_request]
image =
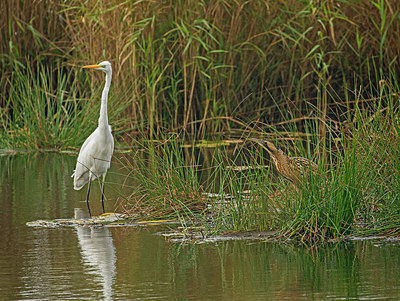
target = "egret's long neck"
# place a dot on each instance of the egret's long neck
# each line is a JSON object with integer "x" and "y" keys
{"x": 103, "y": 119}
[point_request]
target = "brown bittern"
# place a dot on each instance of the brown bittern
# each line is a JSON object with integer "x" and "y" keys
{"x": 292, "y": 168}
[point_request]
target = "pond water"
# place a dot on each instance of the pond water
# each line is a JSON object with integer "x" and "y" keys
{"x": 136, "y": 263}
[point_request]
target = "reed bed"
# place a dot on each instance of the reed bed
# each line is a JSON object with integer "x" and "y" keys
{"x": 354, "y": 193}
{"x": 209, "y": 68}
{"x": 319, "y": 78}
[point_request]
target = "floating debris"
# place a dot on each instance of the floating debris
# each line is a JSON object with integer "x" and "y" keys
{"x": 212, "y": 195}
{"x": 196, "y": 235}
{"x": 243, "y": 168}
{"x": 212, "y": 144}
{"x": 157, "y": 222}
{"x": 104, "y": 219}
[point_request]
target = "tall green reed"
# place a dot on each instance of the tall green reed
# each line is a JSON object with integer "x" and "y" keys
{"x": 167, "y": 181}
{"x": 42, "y": 108}
{"x": 211, "y": 70}
{"x": 48, "y": 108}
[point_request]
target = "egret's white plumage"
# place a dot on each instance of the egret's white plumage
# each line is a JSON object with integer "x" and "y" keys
{"x": 95, "y": 155}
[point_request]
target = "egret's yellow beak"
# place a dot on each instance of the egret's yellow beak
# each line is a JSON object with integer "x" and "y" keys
{"x": 91, "y": 66}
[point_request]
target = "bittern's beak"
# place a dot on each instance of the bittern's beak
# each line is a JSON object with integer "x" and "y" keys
{"x": 91, "y": 66}
{"x": 268, "y": 146}
{"x": 259, "y": 141}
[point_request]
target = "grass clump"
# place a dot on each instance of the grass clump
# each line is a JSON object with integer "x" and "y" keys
{"x": 328, "y": 202}
{"x": 355, "y": 192}
{"x": 166, "y": 180}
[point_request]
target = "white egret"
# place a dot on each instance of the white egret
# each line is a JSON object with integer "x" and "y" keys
{"x": 95, "y": 155}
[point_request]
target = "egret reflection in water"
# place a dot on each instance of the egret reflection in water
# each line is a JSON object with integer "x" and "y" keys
{"x": 98, "y": 254}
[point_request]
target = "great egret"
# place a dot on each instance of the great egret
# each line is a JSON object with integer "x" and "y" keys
{"x": 95, "y": 155}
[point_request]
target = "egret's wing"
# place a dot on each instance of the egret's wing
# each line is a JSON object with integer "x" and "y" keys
{"x": 81, "y": 172}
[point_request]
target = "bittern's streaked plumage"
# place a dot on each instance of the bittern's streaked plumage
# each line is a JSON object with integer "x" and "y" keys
{"x": 292, "y": 168}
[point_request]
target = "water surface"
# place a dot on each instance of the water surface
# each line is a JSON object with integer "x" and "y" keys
{"x": 136, "y": 263}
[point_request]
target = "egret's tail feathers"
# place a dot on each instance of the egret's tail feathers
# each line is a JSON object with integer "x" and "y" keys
{"x": 81, "y": 179}
{"x": 78, "y": 187}
{"x": 79, "y": 182}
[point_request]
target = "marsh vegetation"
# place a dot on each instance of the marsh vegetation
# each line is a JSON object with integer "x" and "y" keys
{"x": 319, "y": 79}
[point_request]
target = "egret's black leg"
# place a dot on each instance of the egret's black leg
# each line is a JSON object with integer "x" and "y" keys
{"x": 87, "y": 196}
{"x": 102, "y": 194}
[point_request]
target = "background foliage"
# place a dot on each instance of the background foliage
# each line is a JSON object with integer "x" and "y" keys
{"x": 205, "y": 67}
